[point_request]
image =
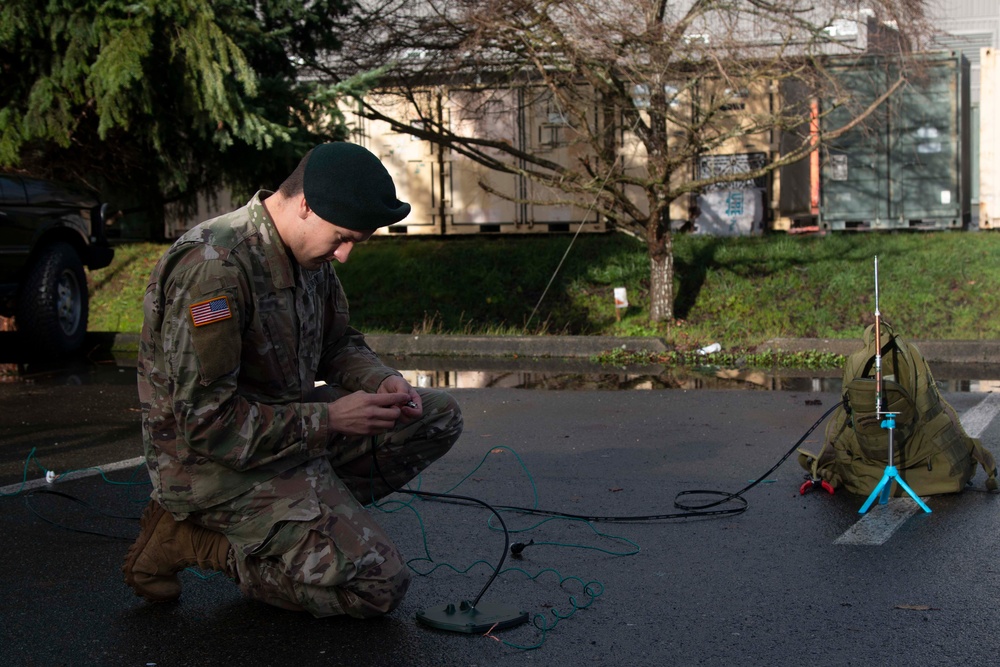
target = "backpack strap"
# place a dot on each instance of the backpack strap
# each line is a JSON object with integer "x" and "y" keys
{"x": 989, "y": 464}
{"x": 820, "y": 465}
{"x": 982, "y": 455}
{"x": 884, "y": 352}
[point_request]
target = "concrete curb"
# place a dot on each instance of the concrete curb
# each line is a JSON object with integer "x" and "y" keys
{"x": 934, "y": 351}
{"x": 508, "y": 346}
{"x": 576, "y": 347}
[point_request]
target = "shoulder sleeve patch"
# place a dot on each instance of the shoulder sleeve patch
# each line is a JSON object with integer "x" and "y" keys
{"x": 215, "y": 337}
{"x": 217, "y": 349}
{"x": 210, "y": 310}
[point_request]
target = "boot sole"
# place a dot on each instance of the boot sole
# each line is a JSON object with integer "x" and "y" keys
{"x": 150, "y": 516}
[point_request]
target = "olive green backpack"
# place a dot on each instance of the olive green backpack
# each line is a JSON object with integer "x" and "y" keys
{"x": 932, "y": 452}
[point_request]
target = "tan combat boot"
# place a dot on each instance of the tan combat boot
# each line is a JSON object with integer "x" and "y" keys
{"x": 166, "y": 546}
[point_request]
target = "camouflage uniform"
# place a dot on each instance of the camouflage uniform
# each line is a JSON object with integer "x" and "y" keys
{"x": 236, "y": 434}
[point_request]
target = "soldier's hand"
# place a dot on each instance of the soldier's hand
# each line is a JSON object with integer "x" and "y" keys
{"x": 413, "y": 407}
{"x": 362, "y": 413}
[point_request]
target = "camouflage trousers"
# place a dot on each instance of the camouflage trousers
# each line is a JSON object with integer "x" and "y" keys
{"x": 303, "y": 540}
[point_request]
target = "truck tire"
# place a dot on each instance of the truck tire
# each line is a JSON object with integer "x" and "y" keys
{"x": 52, "y": 308}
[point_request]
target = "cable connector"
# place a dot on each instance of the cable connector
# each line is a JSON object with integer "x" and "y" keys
{"x": 50, "y": 476}
{"x": 518, "y": 547}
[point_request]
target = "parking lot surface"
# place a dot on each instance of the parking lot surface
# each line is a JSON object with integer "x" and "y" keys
{"x": 775, "y": 585}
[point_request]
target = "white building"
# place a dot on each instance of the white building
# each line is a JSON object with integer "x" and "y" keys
{"x": 972, "y": 26}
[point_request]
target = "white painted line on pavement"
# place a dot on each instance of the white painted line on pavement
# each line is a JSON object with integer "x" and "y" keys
{"x": 13, "y": 489}
{"x": 881, "y": 521}
{"x": 975, "y": 420}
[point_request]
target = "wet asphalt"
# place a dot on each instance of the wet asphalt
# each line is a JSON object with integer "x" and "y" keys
{"x": 768, "y": 586}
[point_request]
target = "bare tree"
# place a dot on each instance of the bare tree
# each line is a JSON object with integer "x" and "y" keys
{"x": 638, "y": 91}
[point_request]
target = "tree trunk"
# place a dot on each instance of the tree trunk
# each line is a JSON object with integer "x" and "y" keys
{"x": 661, "y": 278}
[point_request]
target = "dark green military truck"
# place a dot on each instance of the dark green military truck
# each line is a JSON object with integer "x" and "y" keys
{"x": 48, "y": 233}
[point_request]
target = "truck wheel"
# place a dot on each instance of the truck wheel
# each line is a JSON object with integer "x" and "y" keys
{"x": 52, "y": 308}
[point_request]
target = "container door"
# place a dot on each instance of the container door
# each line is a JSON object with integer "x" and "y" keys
{"x": 923, "y": 167}
{"x": 854, "y": 189}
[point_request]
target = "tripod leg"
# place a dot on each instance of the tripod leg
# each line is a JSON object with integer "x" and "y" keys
{"x": 886, "y": 490}
{"x": 883, "y": 483}
{"x": 916, "y": 498}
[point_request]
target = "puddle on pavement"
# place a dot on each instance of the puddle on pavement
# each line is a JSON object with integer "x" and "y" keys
{"x": 551, "y": 374}
{"x": 655, "y": 377}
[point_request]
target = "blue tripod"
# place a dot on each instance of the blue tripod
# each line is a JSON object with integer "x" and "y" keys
{"x": 884, "y": 487}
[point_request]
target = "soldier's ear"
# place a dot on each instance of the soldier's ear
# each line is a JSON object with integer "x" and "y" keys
{"x": 302, "y": 207}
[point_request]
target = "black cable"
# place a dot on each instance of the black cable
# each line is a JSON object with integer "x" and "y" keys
{"x": 468, "y": 499}
{"x": 739, "y": 494}
{"x": 688, "y": 511}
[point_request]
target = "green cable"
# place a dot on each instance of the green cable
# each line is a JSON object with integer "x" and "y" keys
{"x": 591, "y": 589}
{"x": 24, "y": 477}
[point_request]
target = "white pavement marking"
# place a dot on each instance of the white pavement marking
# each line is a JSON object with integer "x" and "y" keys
{"x": 976, "y": 420}
{"x": 14, "y": 489}
{"x": 881, "y": 521}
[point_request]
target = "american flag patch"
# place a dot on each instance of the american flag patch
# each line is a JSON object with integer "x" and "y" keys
{"x": 209, "y": 311}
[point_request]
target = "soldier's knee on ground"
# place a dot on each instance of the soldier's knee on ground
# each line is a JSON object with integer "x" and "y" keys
{"x": 375, "y": 591}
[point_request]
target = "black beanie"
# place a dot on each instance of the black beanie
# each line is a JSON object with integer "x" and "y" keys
{"x": 348, "y": 186}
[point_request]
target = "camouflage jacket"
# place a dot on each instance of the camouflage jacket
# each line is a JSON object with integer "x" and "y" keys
{"x": 235, "y": 334}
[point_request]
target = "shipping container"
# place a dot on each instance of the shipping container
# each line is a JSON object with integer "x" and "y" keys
{"x": 907, "y": 165}
{"x": 445, "y": 188}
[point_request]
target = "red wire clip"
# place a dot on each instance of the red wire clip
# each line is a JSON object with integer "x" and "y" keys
{"x": 811, "y": 484}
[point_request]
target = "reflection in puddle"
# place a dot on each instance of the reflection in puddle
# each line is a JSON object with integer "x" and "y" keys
{"x": 555, "y": 375}
{"x": 674, "y": 378}
{"x": 551, "y": 374}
